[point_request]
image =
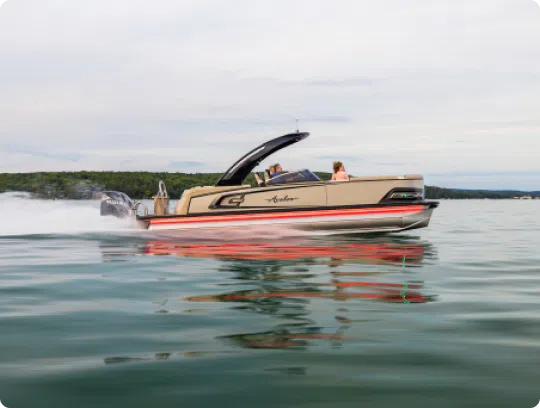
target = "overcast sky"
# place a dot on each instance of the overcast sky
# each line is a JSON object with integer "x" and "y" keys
{"x": 446, "y": 88}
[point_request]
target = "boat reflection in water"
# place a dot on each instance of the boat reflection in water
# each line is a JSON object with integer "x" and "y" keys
{"x": 300, "y": 282}
{"x": 286, "y": 283}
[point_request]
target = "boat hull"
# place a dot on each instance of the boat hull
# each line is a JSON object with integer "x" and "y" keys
{"x": 367, "y": 219}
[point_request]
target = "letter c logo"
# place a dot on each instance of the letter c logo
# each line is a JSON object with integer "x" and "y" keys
{"x": 236, "y": 200}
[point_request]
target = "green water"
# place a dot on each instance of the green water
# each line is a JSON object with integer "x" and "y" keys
{"x": 92, "y": 315}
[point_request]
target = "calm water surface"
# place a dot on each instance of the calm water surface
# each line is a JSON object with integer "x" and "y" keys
{"x": 93, "y": 315}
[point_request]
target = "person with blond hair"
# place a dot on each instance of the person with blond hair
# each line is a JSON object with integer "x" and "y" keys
{"x": 339, "y": 172}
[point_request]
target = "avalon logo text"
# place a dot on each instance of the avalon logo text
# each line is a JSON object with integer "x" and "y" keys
{"x": 277, "y": 199}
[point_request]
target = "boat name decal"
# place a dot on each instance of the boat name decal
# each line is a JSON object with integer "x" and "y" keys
{"x": 277, "y": 199}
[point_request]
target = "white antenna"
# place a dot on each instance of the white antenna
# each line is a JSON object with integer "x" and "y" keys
{"x": 297, "y": 126}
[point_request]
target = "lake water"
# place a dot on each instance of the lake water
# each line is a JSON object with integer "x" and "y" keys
{"x": 95, "y": 315}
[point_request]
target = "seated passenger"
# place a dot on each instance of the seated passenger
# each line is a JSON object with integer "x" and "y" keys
{"x": 277, "y": 170}
{"x": 339, "y": 172}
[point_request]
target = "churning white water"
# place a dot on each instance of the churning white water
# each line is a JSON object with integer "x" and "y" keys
{"x": 22, "y": 215}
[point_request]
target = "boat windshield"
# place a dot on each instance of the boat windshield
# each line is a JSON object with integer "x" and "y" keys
{"x": 293, "y": 177}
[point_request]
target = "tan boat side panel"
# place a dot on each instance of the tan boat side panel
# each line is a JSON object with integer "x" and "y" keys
{"x": 261, "y": 199}
{"x": 350, "y": 193}
{"x": 301, "y": 196}
{"x": 183, "y": 203}
{"x": 359, "y": 190}
{"x": 405, "y": 177}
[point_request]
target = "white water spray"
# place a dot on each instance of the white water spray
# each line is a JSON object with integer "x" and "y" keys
{"x": 22, "y": 215}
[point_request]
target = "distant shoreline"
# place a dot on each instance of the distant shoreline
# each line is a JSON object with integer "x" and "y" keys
{"x": 143, "y": 185}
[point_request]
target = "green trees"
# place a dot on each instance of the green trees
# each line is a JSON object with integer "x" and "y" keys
{"x": 438, "y": 192}
{"x": 140, "y": 185}
{"x": 81, "y": 185}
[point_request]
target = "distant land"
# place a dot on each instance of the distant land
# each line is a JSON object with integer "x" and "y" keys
{"x": 141, "y": 185}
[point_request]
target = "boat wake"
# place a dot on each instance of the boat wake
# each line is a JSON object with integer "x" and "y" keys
{"x": 26, "y": 216}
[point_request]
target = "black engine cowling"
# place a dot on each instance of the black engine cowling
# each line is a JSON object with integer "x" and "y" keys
{"x": 116, "y": 204}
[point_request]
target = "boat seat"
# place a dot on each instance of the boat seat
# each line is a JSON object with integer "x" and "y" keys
{"x": 267, "y": 175}
{"x": 182, "y": 205}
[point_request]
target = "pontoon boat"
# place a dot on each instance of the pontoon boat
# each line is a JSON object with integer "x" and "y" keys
{"x": 297, "y": 199}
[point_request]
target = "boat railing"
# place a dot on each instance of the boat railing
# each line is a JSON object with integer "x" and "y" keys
{"x": 136, "y": 208}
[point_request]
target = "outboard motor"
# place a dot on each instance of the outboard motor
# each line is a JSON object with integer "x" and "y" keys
{"x": 117, "y": 204}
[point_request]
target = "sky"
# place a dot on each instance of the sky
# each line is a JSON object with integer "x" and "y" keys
{"x": 446, "y": 88}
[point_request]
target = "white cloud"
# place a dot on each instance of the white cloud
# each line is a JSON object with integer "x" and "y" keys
{"x": 131, "y": 84}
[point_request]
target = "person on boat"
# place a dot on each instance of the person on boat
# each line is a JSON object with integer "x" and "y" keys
{"x": 339, "y": 172}
{"x": 277, "y": 170}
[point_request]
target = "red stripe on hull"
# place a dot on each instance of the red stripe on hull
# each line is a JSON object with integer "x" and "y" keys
{"x": 286, "y": 215}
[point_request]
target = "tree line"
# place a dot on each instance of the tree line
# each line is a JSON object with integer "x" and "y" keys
{"x": 143, "y": 185}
